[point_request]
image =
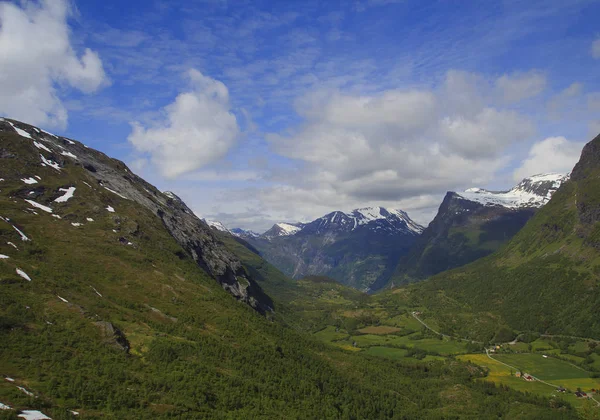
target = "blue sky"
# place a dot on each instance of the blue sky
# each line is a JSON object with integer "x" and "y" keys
{"x": 263, "y": 111}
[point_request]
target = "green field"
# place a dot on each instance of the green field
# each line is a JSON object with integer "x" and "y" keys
{"x": 552, "y": 370}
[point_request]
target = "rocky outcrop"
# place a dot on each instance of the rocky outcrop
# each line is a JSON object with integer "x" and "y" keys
{"x": 113, "y": 335}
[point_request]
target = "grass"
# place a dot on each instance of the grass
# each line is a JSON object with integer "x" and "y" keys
{"x": 379, "y": 330}
{"x": 501, "y": 374}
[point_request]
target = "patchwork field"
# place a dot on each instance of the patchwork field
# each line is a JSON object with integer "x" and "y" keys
{"x": 553, "y": 371}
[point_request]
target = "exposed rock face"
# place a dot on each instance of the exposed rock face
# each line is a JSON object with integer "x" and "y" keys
{"x": 586, "y": 173}
{"x": 186, "y": 228}
{"x": 114, "y": 336}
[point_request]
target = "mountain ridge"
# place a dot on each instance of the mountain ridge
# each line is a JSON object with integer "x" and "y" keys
{"x": 472, "y": 224}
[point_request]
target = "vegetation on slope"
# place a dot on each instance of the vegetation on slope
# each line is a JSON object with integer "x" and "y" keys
{"x": 117, "y": 320}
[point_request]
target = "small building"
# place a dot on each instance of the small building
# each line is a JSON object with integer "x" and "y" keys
{"x": 528, "y": 378}
{"x": 518, "y": 374}
{"x": 580, "y": 394}
{"x": 561, "y": 389}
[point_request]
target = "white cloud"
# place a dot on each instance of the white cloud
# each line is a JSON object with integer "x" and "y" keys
{"x": 397, "y": 148}
{"x": 198, "y": 128}
{"x": 519, "y": 86}
{"x": 37, "y": 58}
{"x": 398, "y": 143}
{"x": 553, "y": 154}
{"x": 596, "y": 49}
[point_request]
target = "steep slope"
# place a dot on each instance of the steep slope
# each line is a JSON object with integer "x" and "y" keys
{"x": 358, "y": 249}
{"x": 546, "y": 278}
{"x": 110, "y": 309}
{"x": 472, "y": 224}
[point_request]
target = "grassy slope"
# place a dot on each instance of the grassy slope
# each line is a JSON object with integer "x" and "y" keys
{"x": 195, "y": 352}
{"x": 545, "y": 279}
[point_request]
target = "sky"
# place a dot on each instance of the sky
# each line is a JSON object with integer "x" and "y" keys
{"x": 256, "y": 112}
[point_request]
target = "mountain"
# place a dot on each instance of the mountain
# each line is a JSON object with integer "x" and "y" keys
{"x": 243, "y": 233}
{"x": 359, "y": 248}
{"x": 116, "y": 301}
{"x": 282, "y": 229}
{"x": 472, "y": 224}
{"x": 546, "y": 278}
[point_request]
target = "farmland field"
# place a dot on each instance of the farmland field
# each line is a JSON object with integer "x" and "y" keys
{"x": 554, "y": 371}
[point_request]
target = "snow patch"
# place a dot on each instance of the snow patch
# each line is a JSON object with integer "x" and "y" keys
{"x": 13, "y": 245}
{"x": 50, "y": 163}
{"x": 288, "y": 229}
{"x": 33, "y": 415}
{"x": 9, "y": 379}
{"x": 24, "y": 391}
{"x": 29, "y": 181}
{"x": 114, "y": 192}
{"x": 62, "y": 298}
{"x": 20, "y": 132}
{"x": 110, "y": 209}
{"x": 39, "y": 206}
{"x": 76, "y": 224}
{"x": 522, "y": 195}
{"x": 24, "y": 238}
{"x": 4, "y": 407}
{"x": 69, "y": 154}
{"x": 89, "y": 219}
{"x": 87, "y": 184}
{"x": 41, "y": 146}
{"x": 97, "y": 292}
{"x": 4, "y": 257}
{"x": 57, "y": 216}
{"x": 68, "y": 195}
{"x": 23, "y": 274}
{"x": 39, "y": 179}
{"x": 47, "y": 132}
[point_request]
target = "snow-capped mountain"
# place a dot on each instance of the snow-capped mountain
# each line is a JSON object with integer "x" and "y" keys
{"x": 359, "y": 248}
{"x": 389, "y": 221}
{"x": 242, "y": 233}
{"x": 217, "y": 225}
{"x": 283, "y": 229}
{"x": 534, "y": 191}
{"x": 474, "y": 223}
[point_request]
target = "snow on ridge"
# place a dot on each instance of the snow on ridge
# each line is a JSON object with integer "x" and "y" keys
{"x": 288, "y": 229}
{"x": 68, "y": 194}
{"x": 521, "y": 195}
{"x": 369, "y": 214}
{"x": 20, "y": 132}
{"x": 29, "y": 180}
{"x": 217, "y": 225}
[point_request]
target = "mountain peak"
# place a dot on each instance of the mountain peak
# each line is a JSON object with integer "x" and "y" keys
{"x": 533, "y": 191}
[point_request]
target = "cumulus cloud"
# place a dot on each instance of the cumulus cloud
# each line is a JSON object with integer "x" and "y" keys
{"x": 519, "y": 86}
{"x": 198, "y": 128}
{"x": 596, "y": 49}
{"x": 553, "y": 154}
{"x": 397, "y": 144}
{"x": 38, "y": 58}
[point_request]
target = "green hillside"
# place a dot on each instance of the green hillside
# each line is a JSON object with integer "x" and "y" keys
{"x": 546, "y": 279}
{"x": 104, "y": 312}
